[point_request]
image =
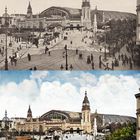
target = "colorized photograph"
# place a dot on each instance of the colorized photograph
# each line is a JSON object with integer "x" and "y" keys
{"x": 82, "y": 105}
{"x": 70, "y": 35}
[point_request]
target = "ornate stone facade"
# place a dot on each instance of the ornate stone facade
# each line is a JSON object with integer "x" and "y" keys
{"x": 65, "y": 120}
{"x": 69, "y": 16}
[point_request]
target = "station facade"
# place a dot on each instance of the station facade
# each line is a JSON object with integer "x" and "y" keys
{"x": 65, "y": 120}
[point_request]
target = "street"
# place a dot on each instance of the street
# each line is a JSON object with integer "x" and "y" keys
{"x": 84, "y": 53}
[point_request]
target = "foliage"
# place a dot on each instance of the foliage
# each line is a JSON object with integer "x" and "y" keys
{"x": 124, "y": 133}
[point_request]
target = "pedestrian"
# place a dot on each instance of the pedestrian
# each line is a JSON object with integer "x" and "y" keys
{"x": 15, "y": 54}
{"x": 46, "y": 49}
{"x": 112, "y": 65}
{"x": 88, "y": 60}
{"x": 49, "y": 53}
{"x": 92, "y": 66}
{"x": 61, "y": 67}
{"x": 91, "y": 57}
{"x": 11, "y": 60}
{"x": 100, "y": 61}
{"x": 71, "y": 67}
{"x": 80, "y": 56}
{"x": 107, "y": 67}
{"x": 119, "y": 57}
{"x": 76, "y": 51}
{"x": 29, "y": 57}
{"x": 131, "y": 66}
{"x": 35, "y": 68}
{"x": 15, "y": 60}
{"x": 20, "y": 47}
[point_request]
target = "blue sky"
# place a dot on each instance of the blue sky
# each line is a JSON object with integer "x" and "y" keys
{"x": 18, "y": 76}
{"x": 108, "y": 92}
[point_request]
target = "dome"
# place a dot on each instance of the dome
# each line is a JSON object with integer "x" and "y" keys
{"x": 5, "y": 117}
{"x": 5, "y": 15}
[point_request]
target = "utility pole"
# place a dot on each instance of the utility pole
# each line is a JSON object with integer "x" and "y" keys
{"x": 6, "y": 59}
{"x": 66, "y": 49}
{"x": 105, "y": 54}
{"x": 105, "y": 46}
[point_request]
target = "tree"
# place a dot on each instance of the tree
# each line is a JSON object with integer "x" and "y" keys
{"x": 124, "y": 133}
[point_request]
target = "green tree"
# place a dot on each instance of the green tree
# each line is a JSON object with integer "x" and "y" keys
{"x": 125, "y": 133}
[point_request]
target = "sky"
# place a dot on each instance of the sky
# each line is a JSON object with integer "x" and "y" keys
{"x": 108, "y": 92}
{"x": 20, "y": 6}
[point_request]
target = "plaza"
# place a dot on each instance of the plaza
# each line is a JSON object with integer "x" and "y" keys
{"x": 78, "y": 42}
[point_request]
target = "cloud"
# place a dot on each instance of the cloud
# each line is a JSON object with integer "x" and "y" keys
{"x": 110, "y": 94}
{"x": 39, "y": 75}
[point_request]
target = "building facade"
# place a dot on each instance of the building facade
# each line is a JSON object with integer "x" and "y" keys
{"x": 138, "y": 116}
{"x": 65, "y": 16}
{"x": 6, "y": 123}
{"x": 65, "y": 120}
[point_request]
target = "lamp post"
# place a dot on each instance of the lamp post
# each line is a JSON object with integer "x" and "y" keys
{"x": 66, "y": 49}
{"x": 105, "y": 54}
{"x": 105, "y": 57}
{"x": 6, "y": 59}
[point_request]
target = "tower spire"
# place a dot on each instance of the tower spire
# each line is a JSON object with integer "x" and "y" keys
{"x": 5, "y": 9}
{"x": 29, "y": 114}
{"x": 86, "y": 116}
{"x": 5, "y": 113}
{"x": 29, "y": 10}
{"x": 86, "y": 104}
{"x": 86, "y": 14}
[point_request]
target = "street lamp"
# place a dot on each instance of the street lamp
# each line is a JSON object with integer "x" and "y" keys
{"x": 66, "y": 49}
{"x": 105, "y": 54}
{"x": 6, "y": 59}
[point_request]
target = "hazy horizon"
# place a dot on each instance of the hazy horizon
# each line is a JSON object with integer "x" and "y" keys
{"x": 14, "y": 6}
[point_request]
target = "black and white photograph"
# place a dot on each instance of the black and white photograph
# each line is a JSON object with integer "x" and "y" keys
{"x": 69, "y": 35}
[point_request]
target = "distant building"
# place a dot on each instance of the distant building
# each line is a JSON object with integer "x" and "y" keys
{"x": 71, "y": 17}
{"x": 66, "y": 120}
{"x": 6, "y": 20}
{"x": 31, "y": 21}
{"x": 5, "y": 123}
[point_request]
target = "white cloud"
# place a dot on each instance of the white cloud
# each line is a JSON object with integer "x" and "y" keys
{"x": 39, "y": 75}
{"x": 109, "y": 94}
